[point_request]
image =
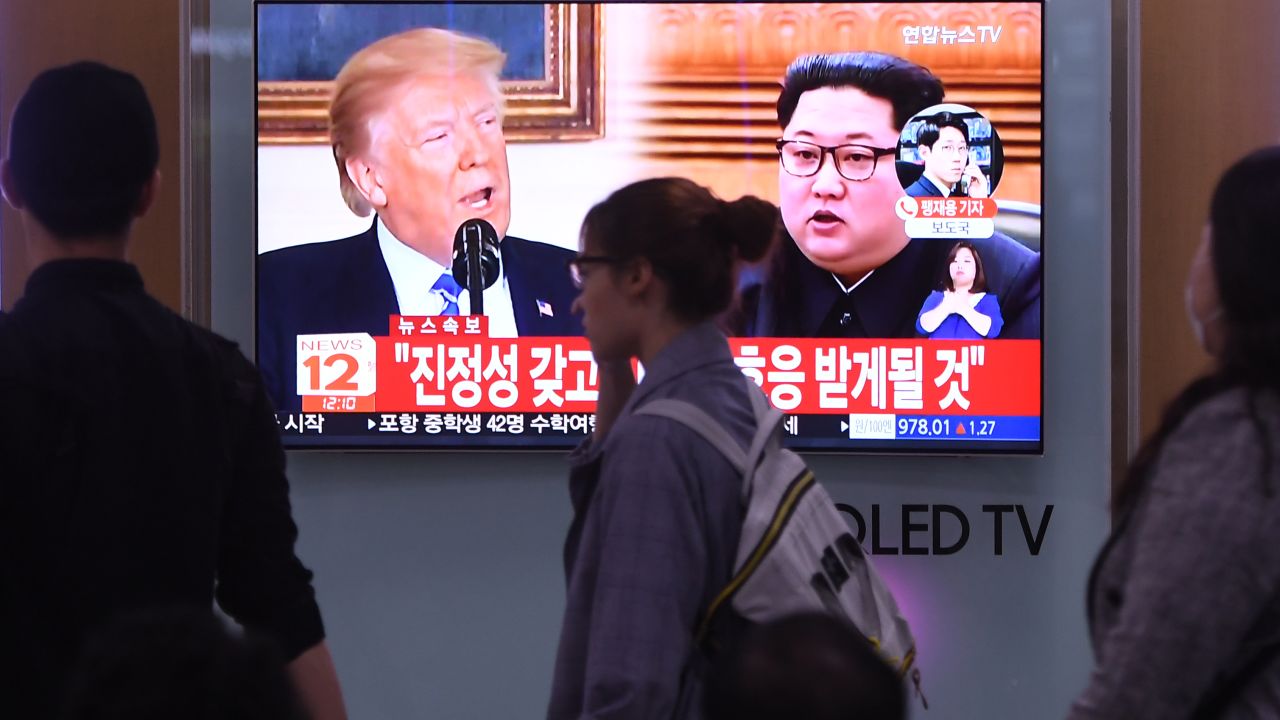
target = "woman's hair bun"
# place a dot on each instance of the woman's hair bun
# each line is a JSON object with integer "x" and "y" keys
{"x": 752, "y": 225}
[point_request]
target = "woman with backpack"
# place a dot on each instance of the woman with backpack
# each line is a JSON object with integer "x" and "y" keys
{"x": 1184, "y": 599}
{"x": 657, "y": 509}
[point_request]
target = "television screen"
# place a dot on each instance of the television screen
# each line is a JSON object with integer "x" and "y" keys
{"x": 899, "y": 311}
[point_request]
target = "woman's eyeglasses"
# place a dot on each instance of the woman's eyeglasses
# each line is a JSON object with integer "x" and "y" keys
{"x": 576, "y": 264}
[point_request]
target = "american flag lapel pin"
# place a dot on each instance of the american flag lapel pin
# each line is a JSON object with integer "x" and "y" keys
{"x": 544, "y": 309}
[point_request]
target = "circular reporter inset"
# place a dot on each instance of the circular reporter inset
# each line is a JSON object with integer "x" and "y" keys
{"x": 949, "y": 150}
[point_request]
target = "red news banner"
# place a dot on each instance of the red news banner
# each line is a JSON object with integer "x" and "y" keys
{"x": 451, "y": 365}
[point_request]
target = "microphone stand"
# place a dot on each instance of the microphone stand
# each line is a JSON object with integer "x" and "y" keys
{"x": 475, "y": 285}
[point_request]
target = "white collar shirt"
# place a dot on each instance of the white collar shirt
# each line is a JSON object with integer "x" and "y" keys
{"x": 413, "y": 274}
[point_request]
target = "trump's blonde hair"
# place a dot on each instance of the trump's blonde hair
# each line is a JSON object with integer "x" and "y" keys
{"x": 367, "y": 82}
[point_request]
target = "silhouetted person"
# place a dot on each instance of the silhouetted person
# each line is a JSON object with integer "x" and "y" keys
{"x": 141, "y": 461}
{"x": 1184, "y": 598}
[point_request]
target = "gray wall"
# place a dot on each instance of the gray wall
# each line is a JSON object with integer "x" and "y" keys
{"x": 440, "y": 574}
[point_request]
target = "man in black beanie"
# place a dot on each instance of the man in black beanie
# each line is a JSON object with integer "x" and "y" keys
{"x": 140, "y": 462}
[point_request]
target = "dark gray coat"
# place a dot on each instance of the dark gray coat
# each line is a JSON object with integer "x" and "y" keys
{"x": 1188, "y": 588}
{"x": 654, "y": 538}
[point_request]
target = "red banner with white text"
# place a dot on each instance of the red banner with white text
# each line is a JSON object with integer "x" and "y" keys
{"x": 450, "y": 365}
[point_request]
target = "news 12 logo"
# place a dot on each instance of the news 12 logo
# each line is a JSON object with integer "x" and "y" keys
{"x": 341, "y": 364}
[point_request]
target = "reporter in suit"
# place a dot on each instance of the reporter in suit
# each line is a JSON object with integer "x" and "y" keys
{"x": 944, "y": 147}
{"x": 416, "y": 129}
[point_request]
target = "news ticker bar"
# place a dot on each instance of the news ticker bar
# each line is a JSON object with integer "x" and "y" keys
{"x": 941, "y": 427}
{"x": 569, "y": 428}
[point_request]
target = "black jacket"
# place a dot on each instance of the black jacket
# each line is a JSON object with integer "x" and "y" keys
{"x": 140, "y": 465}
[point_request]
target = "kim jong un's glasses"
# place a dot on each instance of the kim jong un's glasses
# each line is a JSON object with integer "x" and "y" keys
{"x": 853, "y": 162}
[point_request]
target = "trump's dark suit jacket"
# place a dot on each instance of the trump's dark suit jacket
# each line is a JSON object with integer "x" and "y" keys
{"x": 344, "y": 286}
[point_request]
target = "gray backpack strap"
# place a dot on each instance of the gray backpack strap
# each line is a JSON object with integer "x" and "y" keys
{"x": 767, "y": 420}
{"x": 700, "y": 422}
{"x": 758, "y": 401}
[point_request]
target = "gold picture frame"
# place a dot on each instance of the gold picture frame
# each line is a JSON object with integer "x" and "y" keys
{"x": 566, "y": 104}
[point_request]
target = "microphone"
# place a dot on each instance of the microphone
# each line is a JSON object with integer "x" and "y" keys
{"x": 475, "y": 259}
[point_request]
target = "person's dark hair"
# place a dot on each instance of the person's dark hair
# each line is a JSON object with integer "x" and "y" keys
{"x": 932, "y": 128}
{"x": 692, "y": 238}
{"x": 179, "y": 662}
{"x": 82, "y": 145}
{"x": 809, "y": 666}
{"x": 979, "y": 277}
{"x": 908, "y": 87}
{"x": 1244, "y": 252}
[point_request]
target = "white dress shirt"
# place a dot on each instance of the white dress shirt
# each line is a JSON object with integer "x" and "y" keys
{"x": 945, "y": 188}
{"x": 413, "y": 274}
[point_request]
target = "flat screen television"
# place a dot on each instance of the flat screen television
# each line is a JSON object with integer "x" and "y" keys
{"x": 936, "y": 349}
